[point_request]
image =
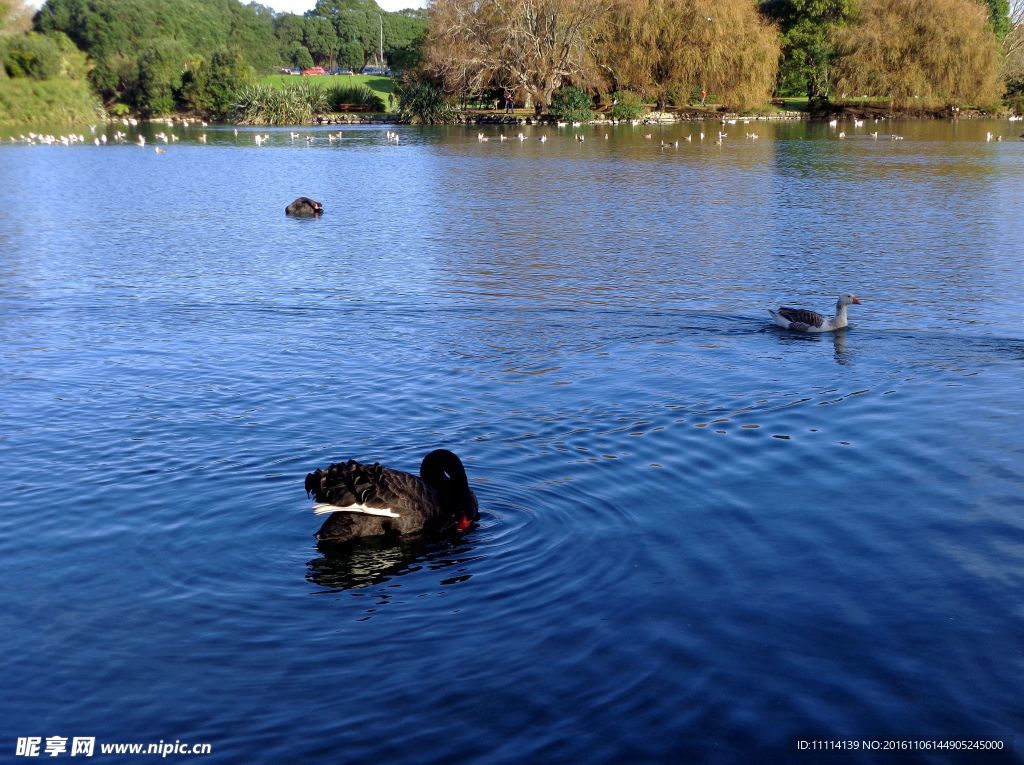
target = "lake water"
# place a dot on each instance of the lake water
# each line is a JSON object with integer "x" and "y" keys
{"x": 702, "y": 537}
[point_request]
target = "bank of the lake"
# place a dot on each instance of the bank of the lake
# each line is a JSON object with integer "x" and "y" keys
{"x": 30, "y": 103}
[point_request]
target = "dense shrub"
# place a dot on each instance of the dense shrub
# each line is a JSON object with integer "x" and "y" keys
{"x": 105, "y": 28}
{"x": 115, "y": 76}
{"x": 422, "y": 102}
{"x": 160, "y": 77}
{"x": 571, "y": 104}
{"x": 32, "y": 55}
{"x": 627, "y": 105}
{"x": 406, "y": 58}
{"x": 26, "y": 101}
{"x": 298, "y": 55}
{"x": 1015, "y": 95}
{"x": 74, "y": 64}
{"x": 211, "y": 87}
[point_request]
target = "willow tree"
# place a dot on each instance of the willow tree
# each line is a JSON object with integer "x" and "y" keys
{"x": 527, "y": 46}
{"x": 1014, "y": 43}
{"x": 665, "y": 47}
{"x": 923, "y": 53}
{"x": 807, "y": 50}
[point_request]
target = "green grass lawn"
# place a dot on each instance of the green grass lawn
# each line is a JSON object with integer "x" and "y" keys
{"x": 379, "y": 84}
{"x": 795, "y": 103}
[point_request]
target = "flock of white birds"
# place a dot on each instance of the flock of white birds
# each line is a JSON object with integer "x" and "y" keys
{"x": 169, "y": 137}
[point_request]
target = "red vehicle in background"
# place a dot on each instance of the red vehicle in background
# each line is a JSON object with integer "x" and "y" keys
{"x": 314, "y": 70}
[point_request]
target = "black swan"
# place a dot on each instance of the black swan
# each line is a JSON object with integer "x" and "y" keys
{"x": 371, "y": 500}
{"x": 802, "y": 320}
{"x": 304, "y": 207}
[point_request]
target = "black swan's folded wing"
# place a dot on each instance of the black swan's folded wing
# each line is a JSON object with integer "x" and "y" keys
{"x": 371, "y": 489}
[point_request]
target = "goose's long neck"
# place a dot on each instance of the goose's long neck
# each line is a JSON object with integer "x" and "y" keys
{"x": 841, "y": 319}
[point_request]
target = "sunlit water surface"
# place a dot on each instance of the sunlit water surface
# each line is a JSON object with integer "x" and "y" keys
{"x": 702, "y": 536}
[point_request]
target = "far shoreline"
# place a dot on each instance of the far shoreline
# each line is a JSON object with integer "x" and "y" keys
{"x": 522, "y": 118}
{"x": 667, "y": 117}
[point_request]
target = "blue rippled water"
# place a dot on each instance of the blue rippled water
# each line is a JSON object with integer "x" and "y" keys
{"x": 702, "y": 537}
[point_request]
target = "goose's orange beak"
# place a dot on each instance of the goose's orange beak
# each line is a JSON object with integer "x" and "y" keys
{"x": 856, "y": 301}
{"x": 464, "y": 523}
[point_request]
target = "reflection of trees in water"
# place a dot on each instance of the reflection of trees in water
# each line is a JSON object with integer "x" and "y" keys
{"x": 374, "y": 561}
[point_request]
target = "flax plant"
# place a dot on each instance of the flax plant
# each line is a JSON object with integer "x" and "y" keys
{"x": 292, "y": 105}
{"x": 357, "y": 95}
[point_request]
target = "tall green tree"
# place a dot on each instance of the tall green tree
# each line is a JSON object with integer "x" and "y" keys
{"x": 351, "y": 55}
{"x": 404, "y": 32}
{"x": 118, "y": 34}
{"x": 290, "y": 29}
{"x": 298, "y": 55}
{"x": 355, "y": 21}
{"x": 999, "y": 13}
{"x": 807, "y": 47}
{"x": 321, "y": 40}
{"x": 211, "y": 87}
{"x": 407, "y": 58}
{"x": 161, "y": 69}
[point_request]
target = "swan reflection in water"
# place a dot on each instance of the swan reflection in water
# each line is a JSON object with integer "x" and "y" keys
{"x": 840, "y": 353}
{"x": 375, "y": 561}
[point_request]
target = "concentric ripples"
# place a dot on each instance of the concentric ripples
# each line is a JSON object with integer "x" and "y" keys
{"x": 700, "y": 536}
